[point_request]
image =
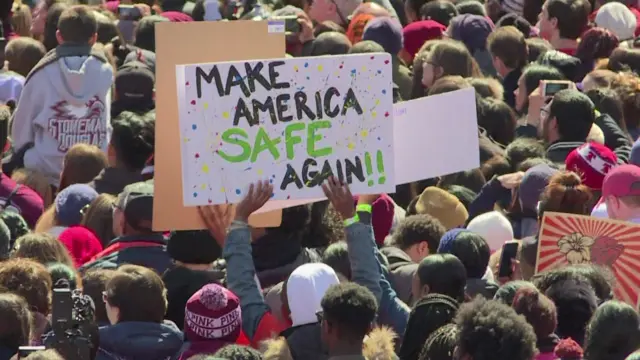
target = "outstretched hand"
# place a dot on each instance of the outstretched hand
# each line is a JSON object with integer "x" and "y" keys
{"x": 258, "y": 194}
{"x": 340, "y": 197}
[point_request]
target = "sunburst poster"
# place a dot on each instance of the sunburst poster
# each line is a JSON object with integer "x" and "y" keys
{"x": 567, "y": 239}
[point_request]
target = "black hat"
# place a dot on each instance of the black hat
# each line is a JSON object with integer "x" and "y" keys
{"x": 135, "y": 82}
{"x": 193, "y": 247}
{"x": 144, "y": 56}
{"x": 136, "y": 201}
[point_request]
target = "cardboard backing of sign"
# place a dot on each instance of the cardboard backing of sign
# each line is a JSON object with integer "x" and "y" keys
{"x": 189, "y": 43}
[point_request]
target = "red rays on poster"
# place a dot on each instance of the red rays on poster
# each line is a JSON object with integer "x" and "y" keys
{"x": 577, "y": 239}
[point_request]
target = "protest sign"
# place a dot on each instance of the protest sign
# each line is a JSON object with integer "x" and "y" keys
{"x": 181, "y": 43}
{"x": 435, "y": 136}
{"x": 294, "y": 122}
{"x": 567, "y": 239}
{"x": 423, "y": 131}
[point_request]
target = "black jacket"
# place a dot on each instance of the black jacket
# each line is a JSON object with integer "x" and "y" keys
{"x": 181, "y": 284}
{"x": 559, "y": 150}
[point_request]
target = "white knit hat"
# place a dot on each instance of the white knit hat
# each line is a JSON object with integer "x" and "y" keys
{"x": 618, "y": 19}
{"x": 494, "y": 227}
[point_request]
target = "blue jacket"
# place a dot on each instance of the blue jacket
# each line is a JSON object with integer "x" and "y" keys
{"x": 149, "y": 251}
{"x": 140, "y": 341}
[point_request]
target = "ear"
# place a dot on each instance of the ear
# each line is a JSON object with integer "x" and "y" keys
{"x": 554, "y": 22}
{"x": 59, "y": 37}
{"x": 438, "y": 72}
{"x": 423, "y": 248}
{"x": 93, "y": 39}
{"x": 425, "y": 290}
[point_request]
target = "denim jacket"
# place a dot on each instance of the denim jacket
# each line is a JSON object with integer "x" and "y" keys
{"x": 392, "y": 311}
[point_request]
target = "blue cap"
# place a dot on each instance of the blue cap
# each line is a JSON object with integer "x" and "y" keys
{"x": 385, "y": 31}
{"x": 71, "y": 201}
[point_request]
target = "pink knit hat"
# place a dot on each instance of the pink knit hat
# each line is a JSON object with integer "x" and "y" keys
{"x": 81, "y": 243}
{"x": 212, "y": 319}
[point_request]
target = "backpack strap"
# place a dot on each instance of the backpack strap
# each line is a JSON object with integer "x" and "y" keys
{"x": 11, "y": 195}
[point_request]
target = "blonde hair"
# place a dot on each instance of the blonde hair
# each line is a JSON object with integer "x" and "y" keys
{"x": 596, "y": 134}
{"x": 43, "y": 248}
{"x": 98, "y": 217}
{"x": 47, "y": 220}
{"x": 36, "y": 181}
{"x": 21, "y": 19}
{"x": 82, "y": 163}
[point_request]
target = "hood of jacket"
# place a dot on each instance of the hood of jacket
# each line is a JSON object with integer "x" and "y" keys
{"x": 430, "y": 313}
{"x": 305, "y": 288}
{"x": 181, "y": 284}
{"x": 141, "y": 340}
{"x": 78, "y": 79}
{"x": 378, "y": 345}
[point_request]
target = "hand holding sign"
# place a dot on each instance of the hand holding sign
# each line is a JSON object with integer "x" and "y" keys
{"x": 340, "y": 197}
{"x": 257, "y": 196}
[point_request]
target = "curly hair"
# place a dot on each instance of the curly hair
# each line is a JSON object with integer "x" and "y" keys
{"x": 490, "y": 330}
{"x": 29, "y": 279}
{"x": 235, "y": 352}
{"x": 441, "y": 344}
{"x": 337, "y": 256}
{"x": 566, "y": 194}
{"x": 600, "y": 278}
{"x": 351, "y": 308}
{"x": 415, "y": 229}
{"x": 613, "y": 332}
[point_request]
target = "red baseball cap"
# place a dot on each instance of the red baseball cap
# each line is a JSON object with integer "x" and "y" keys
{"x": 623, "y": 180}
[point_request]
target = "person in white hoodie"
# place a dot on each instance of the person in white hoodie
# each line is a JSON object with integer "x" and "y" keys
{"x": 66, "y": 98}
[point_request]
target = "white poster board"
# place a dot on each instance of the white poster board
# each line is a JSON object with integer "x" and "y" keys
{"x": 435, "y": 136}
{"x": 292, "y": 121}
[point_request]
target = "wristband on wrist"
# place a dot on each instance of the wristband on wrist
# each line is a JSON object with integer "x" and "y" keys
{"x": 351, "y": 221}
{"x": 363, "y": 208}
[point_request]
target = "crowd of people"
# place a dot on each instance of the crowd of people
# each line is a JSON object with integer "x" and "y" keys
{"x": 413, "y": 275}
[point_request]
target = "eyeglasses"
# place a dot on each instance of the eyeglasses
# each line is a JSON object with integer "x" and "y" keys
{"x": 84, "y": 209}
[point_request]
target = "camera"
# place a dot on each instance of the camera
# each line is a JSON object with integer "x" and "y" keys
{"x": 72, "y": 322}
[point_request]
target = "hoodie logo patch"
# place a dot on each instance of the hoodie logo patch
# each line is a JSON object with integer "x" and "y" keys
{"x": 72, "y": 124}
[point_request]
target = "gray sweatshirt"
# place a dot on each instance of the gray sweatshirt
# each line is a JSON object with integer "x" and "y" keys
{"x": 66, "y": 102}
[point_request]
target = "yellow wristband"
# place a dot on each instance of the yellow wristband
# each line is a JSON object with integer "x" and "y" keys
{"x": 363, "y": 208}
{"x": 351, "y": 221}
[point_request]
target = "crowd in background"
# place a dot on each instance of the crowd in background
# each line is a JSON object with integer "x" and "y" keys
{"x": 413, "y": 275}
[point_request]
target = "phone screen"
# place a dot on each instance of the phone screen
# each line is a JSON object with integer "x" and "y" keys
{"x": 509, "y": 252}
{"x": 129, "y": 12}
{"x": 551, "y": 89}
